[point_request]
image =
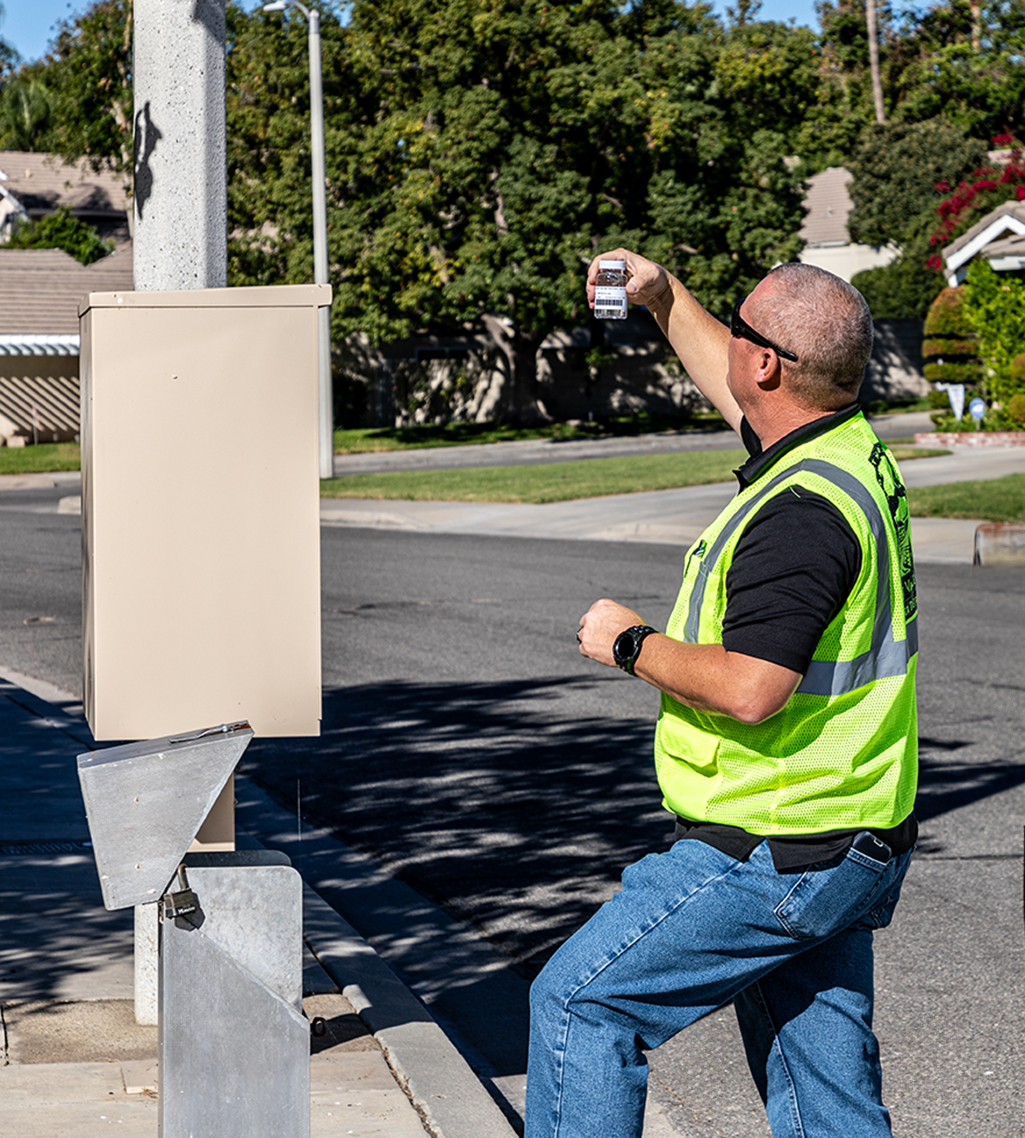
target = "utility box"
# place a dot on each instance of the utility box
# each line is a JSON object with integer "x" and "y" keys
{"x": 200, "y": 510}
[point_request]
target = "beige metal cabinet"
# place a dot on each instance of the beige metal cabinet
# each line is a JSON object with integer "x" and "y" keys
{"x": 200, "y": 510}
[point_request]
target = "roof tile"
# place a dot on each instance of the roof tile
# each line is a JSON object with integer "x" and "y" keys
{"x": 42, "y": 182}
{"x": 40, "y": 288}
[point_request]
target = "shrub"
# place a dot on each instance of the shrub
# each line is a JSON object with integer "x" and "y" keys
{"x": 944, "y": 371}
{"x": 950, "y": 347}
{"x": 59, "y": 230}
{"x": 946, "y": 318}
{"x": 994, "y": 304}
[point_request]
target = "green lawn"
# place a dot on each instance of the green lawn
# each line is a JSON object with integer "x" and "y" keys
{"x": 995, "y": 500}
{"x": 556, "y": 481}
{"x": 550, "y": 482}
{"x": 42, "y": 459}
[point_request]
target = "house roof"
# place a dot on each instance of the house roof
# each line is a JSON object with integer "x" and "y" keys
{"x": 828, "y": 202}
{"x": 42, "y": 183}
{"x": 990, "y": 234}
{"x": 40, "y": 288}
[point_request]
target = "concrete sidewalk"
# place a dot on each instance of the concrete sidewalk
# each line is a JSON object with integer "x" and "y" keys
{"x": 74, "y": 1059}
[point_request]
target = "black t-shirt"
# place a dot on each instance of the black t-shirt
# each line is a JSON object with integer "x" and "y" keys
{"x": 794, "y": 566}
{"x": 792, "y": 570}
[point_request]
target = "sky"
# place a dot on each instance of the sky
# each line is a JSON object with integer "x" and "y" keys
{"x": 27, "y": 25}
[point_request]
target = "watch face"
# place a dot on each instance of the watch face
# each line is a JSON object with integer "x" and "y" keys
{"x": 623, "y": 648}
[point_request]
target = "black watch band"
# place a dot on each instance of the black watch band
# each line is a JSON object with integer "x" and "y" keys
{"x": 627, "y": 646}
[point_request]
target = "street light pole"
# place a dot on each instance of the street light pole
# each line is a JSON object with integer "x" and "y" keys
{"x": 319, "y": 176}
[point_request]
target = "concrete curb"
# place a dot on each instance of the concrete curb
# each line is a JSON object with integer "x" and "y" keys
{"x": 438, "y": 1080}
{"x": 1000, "y": 543}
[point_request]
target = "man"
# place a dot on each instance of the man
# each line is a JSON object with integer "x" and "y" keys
{"x": 786, "y": 744}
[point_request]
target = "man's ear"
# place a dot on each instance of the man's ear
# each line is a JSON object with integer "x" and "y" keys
{"x": 770, "y": 370}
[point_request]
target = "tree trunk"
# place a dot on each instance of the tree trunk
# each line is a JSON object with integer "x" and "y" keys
{"x": 873, "y": 59}
{"x": 518, "y": 403}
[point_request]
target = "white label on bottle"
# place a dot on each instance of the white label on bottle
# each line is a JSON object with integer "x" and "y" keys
{"x": 609, "y": 301}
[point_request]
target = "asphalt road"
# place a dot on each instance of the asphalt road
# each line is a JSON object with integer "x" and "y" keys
{"x": 470, "y": 749}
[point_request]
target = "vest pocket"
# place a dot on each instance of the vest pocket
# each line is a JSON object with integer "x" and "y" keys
{"x": 687, "y": 744}
{"x": 827, "y": 899}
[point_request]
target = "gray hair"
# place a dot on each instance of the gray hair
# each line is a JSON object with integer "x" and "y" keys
{"x": 826, "y": 323}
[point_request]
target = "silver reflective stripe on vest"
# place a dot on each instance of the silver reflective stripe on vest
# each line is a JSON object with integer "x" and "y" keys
{"x": 887, "y": 656}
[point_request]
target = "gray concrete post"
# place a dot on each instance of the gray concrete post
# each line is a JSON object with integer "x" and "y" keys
{"x": 180, "y": 217}
{"x": 181, "y": 188}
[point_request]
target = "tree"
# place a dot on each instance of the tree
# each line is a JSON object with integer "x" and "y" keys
{"x": 962, "y": 61}
{"x": 872, "y": 32}
{"x": 481, "y": 151}
{"x": 59, "y": 230}
{"x": 895, "y": 174}
{"x": 8, "y": 56}
{"x": 955, "y": 59}
{"x": 900, "y": 174}
{"x": 25, "y": 113}
{"x": 844, "y": 105}
{"x": 77, "y": 100}
{"x": 496, "y": 152}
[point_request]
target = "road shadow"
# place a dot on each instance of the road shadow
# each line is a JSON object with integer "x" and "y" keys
{"x": 506, "y": 804}
{"x": 496, "y": 799}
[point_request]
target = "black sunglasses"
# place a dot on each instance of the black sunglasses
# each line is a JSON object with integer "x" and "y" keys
{"x": 740, "y": 328}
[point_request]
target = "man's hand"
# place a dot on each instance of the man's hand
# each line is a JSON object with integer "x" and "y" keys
{"x": 600, "y": 626}
{"x": 700, "y": 341}
{"x": 646, "y": 281}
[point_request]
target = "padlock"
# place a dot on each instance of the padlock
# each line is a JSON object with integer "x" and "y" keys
{"x": 180, "y": 902}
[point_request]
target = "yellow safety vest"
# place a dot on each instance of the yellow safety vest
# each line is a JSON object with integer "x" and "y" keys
{"x": 843, "y": 752}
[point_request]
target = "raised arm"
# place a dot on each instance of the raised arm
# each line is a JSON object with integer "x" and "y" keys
{"x": 700, "y": 341}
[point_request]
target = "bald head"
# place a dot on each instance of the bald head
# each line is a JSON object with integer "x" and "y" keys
{"x": 825, "y": 322}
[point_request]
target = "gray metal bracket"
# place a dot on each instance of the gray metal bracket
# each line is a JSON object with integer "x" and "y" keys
{"x": 146, "y": 801}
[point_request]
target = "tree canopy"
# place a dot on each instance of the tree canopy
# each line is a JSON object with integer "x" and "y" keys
{"x": 59, "y": 230}
{"x": 480, "y": 152}
{"x": 77, "y": 100}
{"x": 8, "y": 56}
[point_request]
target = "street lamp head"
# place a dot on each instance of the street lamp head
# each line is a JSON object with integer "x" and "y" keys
{"x": 281, "y": 5}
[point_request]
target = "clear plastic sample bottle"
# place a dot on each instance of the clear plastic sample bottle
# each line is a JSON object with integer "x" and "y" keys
{"x": 610, "y": 291}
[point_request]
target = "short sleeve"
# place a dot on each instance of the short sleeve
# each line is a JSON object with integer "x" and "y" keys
{"x": 792, "y": 571}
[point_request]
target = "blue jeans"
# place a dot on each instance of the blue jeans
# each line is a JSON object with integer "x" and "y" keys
{"x": 692, "y": 929}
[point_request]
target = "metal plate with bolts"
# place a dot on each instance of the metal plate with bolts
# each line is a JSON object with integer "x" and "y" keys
{"x": 146, "y": 801}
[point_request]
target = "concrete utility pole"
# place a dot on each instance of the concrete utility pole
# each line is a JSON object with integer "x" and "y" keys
{"x": 181, "y": 218}
{"x": 181, "y": 182}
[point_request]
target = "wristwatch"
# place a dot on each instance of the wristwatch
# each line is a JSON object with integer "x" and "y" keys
{"x": 627, "y": 646}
